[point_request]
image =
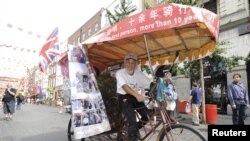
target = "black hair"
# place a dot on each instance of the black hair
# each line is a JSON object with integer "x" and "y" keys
{"x": 237, "y": 75}
{"x": 195, "y": 84}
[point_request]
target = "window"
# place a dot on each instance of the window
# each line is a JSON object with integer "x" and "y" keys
{"x": 89, "y": 32}
{"x": 106, "y": 19}
{"x": 227, "y": 7}
{"x": 83, "y": 36}
{"x": 211, "y": 5}
{"x": 96, "y": 26}
{"x": 78, "y": 40}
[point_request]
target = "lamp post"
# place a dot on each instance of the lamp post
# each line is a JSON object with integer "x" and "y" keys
{"x": 202, "y": 91}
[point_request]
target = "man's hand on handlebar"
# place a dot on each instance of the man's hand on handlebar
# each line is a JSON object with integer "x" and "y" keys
{"x": 141, "y": 98}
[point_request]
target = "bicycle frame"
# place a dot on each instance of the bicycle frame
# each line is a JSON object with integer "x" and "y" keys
{"x": 170, "y": 130}
{"x": 165, "y": 119}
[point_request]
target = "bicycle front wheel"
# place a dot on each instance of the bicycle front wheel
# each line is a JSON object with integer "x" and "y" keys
{"x": 180, "y": 132}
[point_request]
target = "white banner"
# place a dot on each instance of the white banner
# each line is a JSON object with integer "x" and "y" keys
{"x": 88, "y": 109}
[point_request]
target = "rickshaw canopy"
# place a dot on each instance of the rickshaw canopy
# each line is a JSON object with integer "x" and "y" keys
{"x": 172, "y": 33}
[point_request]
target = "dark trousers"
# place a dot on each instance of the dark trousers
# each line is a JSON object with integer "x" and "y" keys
{"x": 239, "y": 114}
{"x": 129, "y": 104}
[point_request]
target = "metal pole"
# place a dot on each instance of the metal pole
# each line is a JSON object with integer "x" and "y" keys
{"x": 149, "y": 58}
{"x": 203, "y": 92}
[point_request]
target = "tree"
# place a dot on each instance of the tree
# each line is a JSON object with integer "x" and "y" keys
{"x": 216, "y": 65}
{"x": 124, "y": 11}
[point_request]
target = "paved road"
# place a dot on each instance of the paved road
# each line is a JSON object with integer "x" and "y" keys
{"x": 35, "y": 123}
{"x": 41, "y": 122}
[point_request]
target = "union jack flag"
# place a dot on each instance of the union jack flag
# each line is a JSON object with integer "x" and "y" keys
{"x": 49, "y": 51}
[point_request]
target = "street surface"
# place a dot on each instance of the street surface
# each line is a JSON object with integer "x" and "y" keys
{"x": 44, "y": 123}
{"x": 35, "y": 123}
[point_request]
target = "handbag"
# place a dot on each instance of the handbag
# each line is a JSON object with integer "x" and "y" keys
{"x": 170, "y": 105}
{"x": 188, "y": 108}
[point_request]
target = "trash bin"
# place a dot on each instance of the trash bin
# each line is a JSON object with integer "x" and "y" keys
{"x": 182, "y": 106}
{"x": 211, "y": 113}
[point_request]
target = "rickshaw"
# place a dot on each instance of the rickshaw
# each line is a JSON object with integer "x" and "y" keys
{"x": 167, "y": 34}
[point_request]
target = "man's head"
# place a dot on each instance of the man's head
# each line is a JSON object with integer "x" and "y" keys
{"x": 195, "y": 84}
{"x": 130, "y": 63}
{"x": 236, "y": 78}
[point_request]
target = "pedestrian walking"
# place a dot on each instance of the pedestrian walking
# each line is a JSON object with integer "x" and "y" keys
{"x": 9, "y": 102}
{"x": 60, "y": 103}
{"x": 195, "y": 100}
{"x": 238, "y": 99}
{"x": 19, "y": 99}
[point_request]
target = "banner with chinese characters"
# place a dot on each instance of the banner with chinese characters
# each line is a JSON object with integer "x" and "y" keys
{"x": 88, "y": 110}
{"x": 167, "y": 34}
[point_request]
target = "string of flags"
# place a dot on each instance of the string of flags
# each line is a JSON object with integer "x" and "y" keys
{"x": 20, "y": 29}
{"x": 20, "y": 48}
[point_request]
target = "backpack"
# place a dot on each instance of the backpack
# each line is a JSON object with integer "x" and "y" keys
{"x": 165, "y": 91}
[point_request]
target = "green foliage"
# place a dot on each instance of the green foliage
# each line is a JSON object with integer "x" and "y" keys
{"x": 124, "y": 11}
{"x": 146, "y": 68}
{"x": 107, "y": 85}
{"x": 247, "y": 58}
{"x": 215, "y": 65}
{"x": 146, "y": 5}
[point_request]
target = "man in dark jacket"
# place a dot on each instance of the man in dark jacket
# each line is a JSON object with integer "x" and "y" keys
{"x": 9, "y": 102}
{"x": 238, "y": 98}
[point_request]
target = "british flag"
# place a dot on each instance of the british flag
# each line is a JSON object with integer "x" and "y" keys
{"x": 49, "y": 50}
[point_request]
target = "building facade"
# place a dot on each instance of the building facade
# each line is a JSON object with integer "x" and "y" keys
{"x": 92, "y": 26}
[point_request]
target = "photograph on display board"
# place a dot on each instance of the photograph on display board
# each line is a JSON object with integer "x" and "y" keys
{"x": 88, "y": 110}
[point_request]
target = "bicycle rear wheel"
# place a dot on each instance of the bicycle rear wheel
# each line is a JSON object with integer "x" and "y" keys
{"x": 180, "y": 132}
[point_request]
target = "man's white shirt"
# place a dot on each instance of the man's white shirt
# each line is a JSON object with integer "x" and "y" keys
{"x": 138, "y": 81}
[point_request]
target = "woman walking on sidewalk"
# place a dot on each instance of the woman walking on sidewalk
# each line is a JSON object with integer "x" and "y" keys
{"x": 60, "y": 103}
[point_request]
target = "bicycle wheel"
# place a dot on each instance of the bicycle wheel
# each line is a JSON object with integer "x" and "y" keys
{"x": 70, "y": 131}
{"x": 180, "y": 132}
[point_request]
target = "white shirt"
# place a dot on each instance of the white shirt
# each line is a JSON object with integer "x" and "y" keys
{"x": 137, "y": 81}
